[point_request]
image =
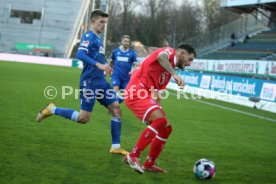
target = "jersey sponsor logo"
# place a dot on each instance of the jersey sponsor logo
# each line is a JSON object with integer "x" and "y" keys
{"x": 102, "y": 51}
{"x": 85, "y": 43}
{"x": 122, "y": 59}
{"x": 163, "y": 78}
{"x": 169, "y": 51}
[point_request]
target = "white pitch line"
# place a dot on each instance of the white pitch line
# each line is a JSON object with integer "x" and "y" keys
{"x": 234, "y": 110}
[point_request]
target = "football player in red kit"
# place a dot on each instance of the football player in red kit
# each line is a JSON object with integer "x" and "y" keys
{"x": 141, "y": 97}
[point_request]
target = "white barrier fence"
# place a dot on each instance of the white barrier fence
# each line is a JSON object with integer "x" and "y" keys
{"x": 249, "y": 67}
{"x": 229, "y": 3}
{"x": 35, "y": 59}
{"x": 249, "y": 92}
{"x": 200, "y": 84}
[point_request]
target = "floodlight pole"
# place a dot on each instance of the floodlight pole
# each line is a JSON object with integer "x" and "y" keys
{"x": 105, "y": 8}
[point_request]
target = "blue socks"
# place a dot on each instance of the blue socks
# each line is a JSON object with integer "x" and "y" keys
{"x": 116, "y": 131}
{"x": 66, "y": 113}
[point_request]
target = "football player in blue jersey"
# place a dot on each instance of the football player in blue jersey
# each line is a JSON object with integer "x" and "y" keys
{"x": 92, "y": 83}
{"x": 122, "y": 60}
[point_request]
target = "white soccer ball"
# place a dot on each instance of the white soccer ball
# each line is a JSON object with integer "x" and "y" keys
{"x": 204, "y": 169}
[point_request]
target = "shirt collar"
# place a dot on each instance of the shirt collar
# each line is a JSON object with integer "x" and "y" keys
{"x": 123, "y": 49}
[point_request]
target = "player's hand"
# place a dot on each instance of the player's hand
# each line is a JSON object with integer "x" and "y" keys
{"x": 179, "y": 81}
{"x": 106, "y": 68}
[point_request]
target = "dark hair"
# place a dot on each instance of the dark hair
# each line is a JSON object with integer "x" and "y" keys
{"x": 188, "y": 48}
{"x": 98, "y": 13}
{"x": 125, "y": 36}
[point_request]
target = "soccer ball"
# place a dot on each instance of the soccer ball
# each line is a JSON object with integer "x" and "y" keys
{"x": 204, "y": 169}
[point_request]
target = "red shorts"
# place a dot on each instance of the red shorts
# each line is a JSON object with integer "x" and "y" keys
{"x": 139, "y": 100}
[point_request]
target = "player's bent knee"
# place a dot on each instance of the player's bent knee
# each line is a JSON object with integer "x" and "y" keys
{"x": 83, "y": 119}
{"x": 156, "y": 115}
{"x": 166, "y": 132}
{"x": 116, "y": 110}
{"x": 159, "y": 124}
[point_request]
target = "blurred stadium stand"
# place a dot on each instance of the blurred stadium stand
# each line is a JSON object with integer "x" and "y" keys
{"x": 42, "y": 22}
{"x": 261, "y": 46}
{"x": 221, "y": 37}
{"x": 250, "y": 39}
{"x": 258, "y": 21}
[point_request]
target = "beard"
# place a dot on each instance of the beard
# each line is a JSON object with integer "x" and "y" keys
{"x": 181, "y": 65}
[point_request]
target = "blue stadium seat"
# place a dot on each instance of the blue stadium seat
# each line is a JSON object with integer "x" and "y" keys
{"x": 257, "y": 47}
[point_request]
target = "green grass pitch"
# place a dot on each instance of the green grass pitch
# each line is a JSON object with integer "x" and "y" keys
{"x": 60, "y": 151}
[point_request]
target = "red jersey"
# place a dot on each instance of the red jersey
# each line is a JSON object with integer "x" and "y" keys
{"x": 151, "y": 73}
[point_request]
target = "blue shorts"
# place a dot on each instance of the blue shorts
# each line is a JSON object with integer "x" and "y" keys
{"x": 103, "y": 93}
{"x": 117, "y": 81}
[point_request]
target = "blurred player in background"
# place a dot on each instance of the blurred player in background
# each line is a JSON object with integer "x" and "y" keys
{"x": 92, "y": 83}
{"x": 151, "y": 78}
{"x": 122, "y": 60}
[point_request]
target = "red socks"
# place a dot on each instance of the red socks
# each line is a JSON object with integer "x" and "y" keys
{"x": 147, "y": 136}
{"x": 157, "y": 145}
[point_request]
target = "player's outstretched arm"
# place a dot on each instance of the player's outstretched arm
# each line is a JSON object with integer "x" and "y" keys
{"x": 84, "y": 57}
{"x": 179, "y": 81}
{"x": 163, "y": 60}
{"x": 165, "y": 63}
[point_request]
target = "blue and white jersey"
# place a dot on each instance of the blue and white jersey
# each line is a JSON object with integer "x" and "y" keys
{"x": 123, "y": 61}
{"x": 90, "y": 51}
